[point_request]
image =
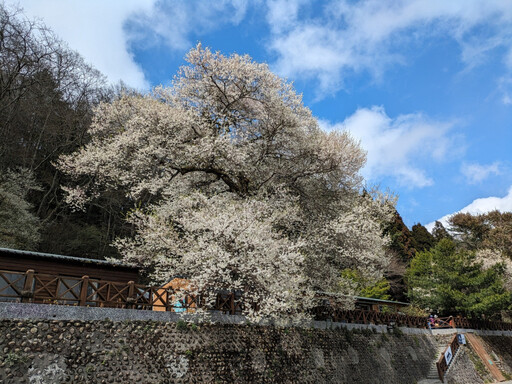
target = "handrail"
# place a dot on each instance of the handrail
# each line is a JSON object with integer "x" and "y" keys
{"x": 442, "y": 323}
{"x": 41, "y": 288}
{"x": 442, "y": 365}
{"x": 32, "y": 287}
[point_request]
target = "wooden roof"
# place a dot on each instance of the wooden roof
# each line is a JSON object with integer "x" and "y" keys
{"x": 19, "y": 260}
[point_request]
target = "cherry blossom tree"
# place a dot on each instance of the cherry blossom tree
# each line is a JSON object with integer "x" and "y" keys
{"x": 235, "y": 185}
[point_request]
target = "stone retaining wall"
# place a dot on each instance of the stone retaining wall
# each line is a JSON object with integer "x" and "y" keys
{"x": 55, "y": 344}
{"x": 53, "y": 351}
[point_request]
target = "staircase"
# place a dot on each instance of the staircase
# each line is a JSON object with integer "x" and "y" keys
{"x": 493, "y": 365}
{"x": 433, "y": 376}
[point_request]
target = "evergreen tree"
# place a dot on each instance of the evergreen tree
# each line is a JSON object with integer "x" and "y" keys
{"x": 451, "y": 281}
{"x": 401, "y": 240}
{"x": 439, "y": 232}
{"x": 492, "y": 230}
{"x": 422, "y": 238}
{"x": 401, "y": 250}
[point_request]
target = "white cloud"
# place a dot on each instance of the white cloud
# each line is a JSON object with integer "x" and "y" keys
{"x": 173, "y": 22}
{"x": 94, "y": 28}
{"x": 475, "y": 173}
{"x": 396, "y": 146}
{"x": 103, "y": 31}
{"x": 480, "y": 206}
{"x": 282, "y": 14}
{"x": 505, "y": 88}
{"x": 370, "y": 35}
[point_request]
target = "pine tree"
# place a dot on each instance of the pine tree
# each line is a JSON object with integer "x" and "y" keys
{"x": 451, "y": 281}
{"x": 423, "y": 240}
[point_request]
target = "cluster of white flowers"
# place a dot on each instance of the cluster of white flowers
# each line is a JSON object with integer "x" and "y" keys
{"x": 224, "y": 242}
{"x": 236, "y": 185}
{"x": 491, "y": 257}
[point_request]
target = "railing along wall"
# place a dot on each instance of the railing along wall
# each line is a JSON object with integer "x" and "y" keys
{"x": 32, "y": 287}
{"x": 442, "y": 364}
{"x": 39, "y": 288}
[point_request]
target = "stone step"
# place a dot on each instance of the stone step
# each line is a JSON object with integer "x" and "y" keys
{"x": 432, "y": 373}
{"x": 430, "y": 381}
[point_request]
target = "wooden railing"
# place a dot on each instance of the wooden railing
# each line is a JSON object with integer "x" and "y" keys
{"x": 328, "y": 312}
{"x": 442, "y": 364}
{"x": 32, "y": 287}
{"x": 462, "y": 322}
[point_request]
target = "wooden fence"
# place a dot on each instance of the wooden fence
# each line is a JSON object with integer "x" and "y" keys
{"x": 328, "y": 312}
{"x": 32, "y": 287}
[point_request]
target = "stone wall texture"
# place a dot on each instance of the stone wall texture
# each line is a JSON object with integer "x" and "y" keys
{"x": 147, "y": 351}
{"x": 463, "y": 370}
{"x": 467, "y": 368}
{"x": 56, "y": 351}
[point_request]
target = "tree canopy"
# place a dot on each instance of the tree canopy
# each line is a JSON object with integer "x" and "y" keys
{"x": 19, "y": 227}
{"x": 47, "y": 93}
{"x": 492, "y": 230}
{"x": 451, "y": 280}
{"x": 234, "y": 185}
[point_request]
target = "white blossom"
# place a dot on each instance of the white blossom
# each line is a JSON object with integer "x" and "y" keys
{"x": 235, "y": 184}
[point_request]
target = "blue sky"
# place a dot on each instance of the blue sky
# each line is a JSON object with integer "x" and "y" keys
{"x": 425, "y": 85}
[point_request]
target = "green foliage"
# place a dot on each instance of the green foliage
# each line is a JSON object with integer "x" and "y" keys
{"x": 423, "y": 240}
{"x": 13, "y": 358}
{"x": 364, "y": 286}
{"x": 439, "y": 232}
{"x": 401, "y": 240}
{"x": 492, "y": 230}
{"x": 450, "y": 281}
{"x": 19, "y": 227}
{"x": 193, "y": 326}
{"x": 181, "y": 325}
{"x": 413, "y": 310}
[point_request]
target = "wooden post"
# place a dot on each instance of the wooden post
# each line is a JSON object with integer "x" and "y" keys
{"x": 232, "y": 303}
{"x": 130, "y": 299}
{"x": 28, "y": 292}
{"x": 83, "y": 291}
{"x": 440, "y": 372}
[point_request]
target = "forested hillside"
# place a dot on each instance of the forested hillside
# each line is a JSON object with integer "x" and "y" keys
{"x": 47, "y": 95}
